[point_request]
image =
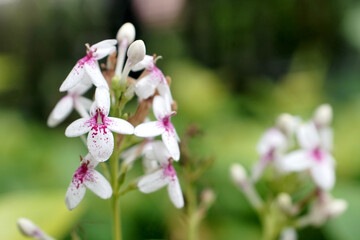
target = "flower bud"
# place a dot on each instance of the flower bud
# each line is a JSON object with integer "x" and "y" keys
{"x": 208, "y": 197}
{"x": 323, "y": 115}
{"x": 238, "y": 173}
{"x": 126, "y": 32}
{"x": 337, "y": 207}
{"x": 287, "y": 123}
{"x": 288, "y": 233}
{"x": 284, "y": 202}
{"x": 136, "y": 52}
{"x": 29, "y": 229}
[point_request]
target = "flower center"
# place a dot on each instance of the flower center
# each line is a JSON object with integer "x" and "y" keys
{"x": 169, "y": 171}
{"x": 167, "y": 124}
{"x": 80, "y": 175}
{"x": 317, "y": 154}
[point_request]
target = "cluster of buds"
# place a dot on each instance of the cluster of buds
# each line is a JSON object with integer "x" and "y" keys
{"x": 105, "y": 124}
{"x": 295, "y": 148}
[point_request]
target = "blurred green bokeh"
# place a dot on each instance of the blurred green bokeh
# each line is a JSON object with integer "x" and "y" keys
{"x": 235, "y": 65}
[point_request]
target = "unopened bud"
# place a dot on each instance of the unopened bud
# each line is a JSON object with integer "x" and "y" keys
{"x": 27, "y": 227}
{"x": 337, "y": 207}
{"x": 287, "y": 123}
{"x": 284, "y": 202}
{"x": 323, "y": 115}
{"x": 136, "y": 52}
{"x": 238, "y": 173}
{"x": 288, "y": 233}
{"x": 208, "y": 197}
{"x": 126, "y": 32}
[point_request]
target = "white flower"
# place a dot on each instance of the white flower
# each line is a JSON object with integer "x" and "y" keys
{"x": 72, "y": 100}
{"x": 163, "y": 127}
{"x": 153, "y": 80}
{"x": 314, "y": 155}
{"x": 325, "y": 208}
{"x": 86, "y": 177}
{"x": 30, "y": 229}
{"x": 288, "y": 233}
{"x": 165, "y": 176}
{"x": 88, "y": 67}
{"x": 270, "y": 147}
{"x": 100, "y": 139}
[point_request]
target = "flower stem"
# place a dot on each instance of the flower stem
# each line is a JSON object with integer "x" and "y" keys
{"x": 191, "y": 212}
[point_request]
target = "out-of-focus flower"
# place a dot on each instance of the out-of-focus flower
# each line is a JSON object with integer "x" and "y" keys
{"x": 88, "y": 67}
{"x": 163, "y": 127}
{"x": 100, "y": 139}
{"x": 288, "y": 233}
{"x": 86, "y": 177}
{"x": 163, "y": 176}
{"x": 153, "y": 80}
{"x": 72, "y": 100}
{"x": 325, "y": 208}
{"x": 270, "y": 148}
{"x": 30, "y": 229}
{"x": 314, "y": 155}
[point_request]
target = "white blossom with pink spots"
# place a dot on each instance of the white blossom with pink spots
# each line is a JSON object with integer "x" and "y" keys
{"x": 100, "y": 139}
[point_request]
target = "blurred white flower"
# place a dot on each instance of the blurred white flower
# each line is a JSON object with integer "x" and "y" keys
{"x": 314, "y": 155}
{"x": 86, "y": 177}
{"x": 288, "y": 233}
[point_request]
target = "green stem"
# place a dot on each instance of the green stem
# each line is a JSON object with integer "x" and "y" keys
{"x": 191, "y": 212}
{"x": 114, "y": 163}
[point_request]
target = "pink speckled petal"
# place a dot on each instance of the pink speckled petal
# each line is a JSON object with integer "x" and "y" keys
{"x": 100, "y": 143}
{"x": 98, "y": 184}
{"x": 171, "y": 143}
{"x": 73, "y": 78}
{"x": 78, "y": 127}
{"x": 149, "y": 129}
{"x": 153, "y": 181}
{"x": 161, "y": 107}
{"x": 119, "y": 125}
{"x": 74, "y": 195}
{"x": 93, "y": 70}
{"x": 175, "y": 193}
{"x": 62, "y": 109}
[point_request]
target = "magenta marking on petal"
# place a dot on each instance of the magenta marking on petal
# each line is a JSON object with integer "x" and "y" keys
{"x": 79, "y": 175}
{"x": 169, "y": 171}
{"x": 317, "y": 154}
{"x": 269, "y": 156}
{"x": 166, "y": 123}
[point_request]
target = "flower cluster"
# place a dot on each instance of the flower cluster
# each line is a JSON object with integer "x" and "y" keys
{"x": 295, "y": 146}
{"x": 106, "y": 126}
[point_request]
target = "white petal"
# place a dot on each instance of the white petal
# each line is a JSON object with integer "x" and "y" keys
{"x": 327, "y": 138}
{"x": 83, "y": 86}
{"x": 147, "y": 62}
{"x": 74, "y": 195}
{"x": 145, "y": 87}
{"x": 100, "y": 143}
{"x": 323, "y": 173}
{"x": 273, "y": 138}
{"x": 296, "y": 161}
{"x": 119, "y": 125}
{"x": 79, "y": 127}
{"x": 149, "y": 129}
{"x": 171, "y": 144}
{"x": 84, "y": 102}
{"x": 104, "y": 48}
{"x": 175, "y": 193}
{"x": 161, "y": 107}
{"x": 102, "y": 100}
{"x": 160, "y": 152}
{"x": 258, "y": 169}
{"x": 153, "y": 181}
{"x": 62, "y": 109}
{"x": 165, "y": 92}
{"x": 98, "y": 184}
{"x": 308, "y": 136}
{"x": 93, "y": 71}
{"x": 73, "y": 78}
